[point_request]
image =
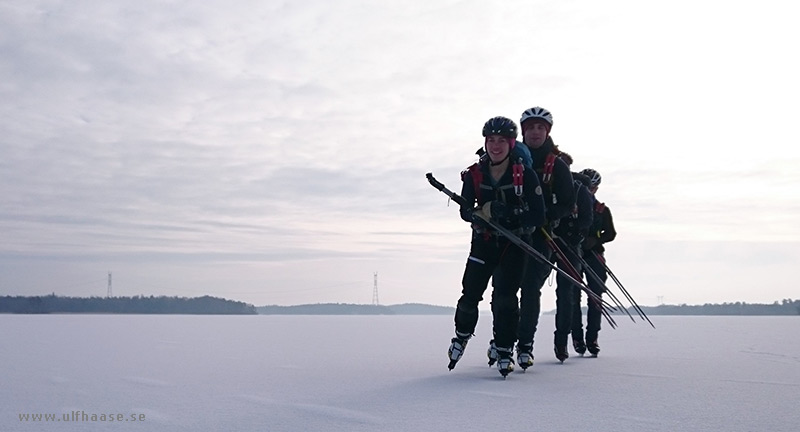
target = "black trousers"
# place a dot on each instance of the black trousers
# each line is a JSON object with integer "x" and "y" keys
{"x": 530, "y": 305}
{"x": 565, "y": 294}
{"x": 593, "y": 314}
{"x": 494, "y": 255}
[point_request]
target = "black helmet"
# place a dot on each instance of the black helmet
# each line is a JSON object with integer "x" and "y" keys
{"x": 593, "y": 175}
{"x": 502, "y": 126}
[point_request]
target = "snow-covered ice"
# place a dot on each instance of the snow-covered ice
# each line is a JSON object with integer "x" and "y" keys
{"x": 389, "y": 373}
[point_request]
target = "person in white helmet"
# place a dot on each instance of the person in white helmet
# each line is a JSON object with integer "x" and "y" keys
{"x": 559, "y": 197}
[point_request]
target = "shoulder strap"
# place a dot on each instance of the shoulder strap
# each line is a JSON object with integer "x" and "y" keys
{"x": 517, "y": 177}
{"x": 578, "y": 186}
{"x": 547, "y": 171}
{"x": 599, "y": 207}
{"x": 477, "y": 178}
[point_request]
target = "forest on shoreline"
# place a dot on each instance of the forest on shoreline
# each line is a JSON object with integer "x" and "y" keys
{"x": 207, "y": 305}
{"x": 785, "y": 307}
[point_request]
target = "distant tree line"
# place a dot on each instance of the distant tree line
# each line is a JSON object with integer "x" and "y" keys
{"x": 215, "y": 305}
{"x": 124, "y": 305}
{"x": 784, "y": 307}
{"x": 356, "y": 309}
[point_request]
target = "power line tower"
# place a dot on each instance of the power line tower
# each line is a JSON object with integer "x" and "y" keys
{"x": 375, "y": 301}
{"x": 108, "y": 294}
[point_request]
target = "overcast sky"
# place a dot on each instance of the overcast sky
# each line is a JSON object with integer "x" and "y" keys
{"x": 275, "y": 152}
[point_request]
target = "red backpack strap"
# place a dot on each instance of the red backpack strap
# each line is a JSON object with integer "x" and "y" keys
{"x": 547, "y": 172}
{"x": 477, "y": 179}
{"x": 517, "y": 178}
{"x": 599, "y": 207}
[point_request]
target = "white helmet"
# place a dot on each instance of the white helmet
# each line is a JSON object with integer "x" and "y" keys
{"x": 593, "y": 175}
{"x": 537, "y": 112}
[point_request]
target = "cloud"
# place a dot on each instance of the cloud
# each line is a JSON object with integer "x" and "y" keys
{"x": 298, "y": 135}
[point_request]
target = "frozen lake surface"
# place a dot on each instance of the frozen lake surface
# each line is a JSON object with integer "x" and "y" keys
{"x": 389, "y": 373}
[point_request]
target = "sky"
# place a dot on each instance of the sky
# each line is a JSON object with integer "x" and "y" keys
{"x": 389, "y": 373}
{"x": 275, "y": 152}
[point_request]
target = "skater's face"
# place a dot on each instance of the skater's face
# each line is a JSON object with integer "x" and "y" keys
{"x": 497, "y": 147}
{"x": 534, "y": 133}
{"x": 593, "y": 188}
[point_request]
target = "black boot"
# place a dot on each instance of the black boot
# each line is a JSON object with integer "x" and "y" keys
{"x": 525, "y": 355}
{"x": 457, "y": 346}
{"x": 579, "y": 346}
{"x": 505, "y": 361}
{"x": 593, "y": 347}
{"x": 492, "y": 353}
{"x": 561, "y": 353}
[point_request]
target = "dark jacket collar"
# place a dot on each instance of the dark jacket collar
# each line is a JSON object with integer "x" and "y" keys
{"x": 540, "y": 154}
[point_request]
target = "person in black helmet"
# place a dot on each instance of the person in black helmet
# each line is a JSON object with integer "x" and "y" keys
{"x": 490, "y": 185}
{"x": 601, "y": 231}
{"x": 568, "y": 236}
{"x": 559, "y": 197}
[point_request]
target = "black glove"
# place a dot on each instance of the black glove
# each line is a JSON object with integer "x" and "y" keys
{"x": 494, "y": 210}
{"x": 562, "y": 229}
{"x": 498, "y": 210}
{"x": 550, "y": 226}
{"x": 572, "y": 238}
{"x": 589, "y": 243}
{"x": 479, "y": 223}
